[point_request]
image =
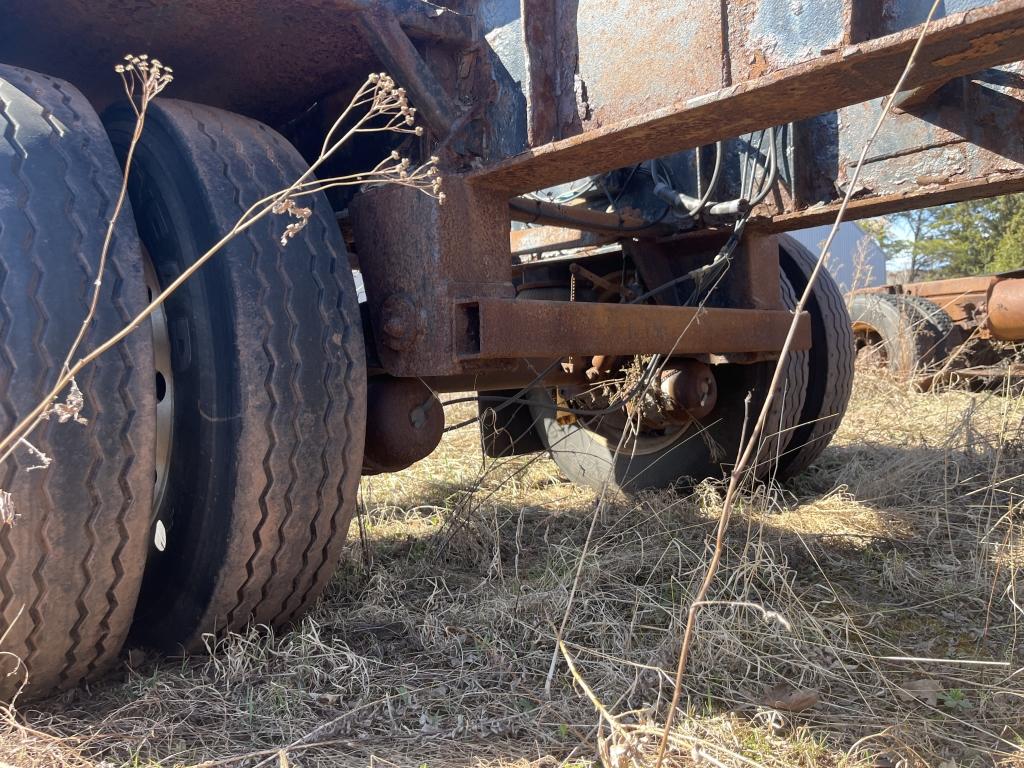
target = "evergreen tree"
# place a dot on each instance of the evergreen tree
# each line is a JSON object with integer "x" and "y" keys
{"x": 1009, "y": 254}
{"x": 908, "y": 241}
{"x": 968, "y": 238}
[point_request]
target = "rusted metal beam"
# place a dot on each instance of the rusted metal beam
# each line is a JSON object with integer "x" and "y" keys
{"x": 521, "y": 374}
{"x": 490, "y": 329}
{"x": 421, "y": 21}
{"x": 927, "y": 192}
{"x": 400, "y": 57}
{"x": 417, "y": 257}
{"x": 959, "y": 44}
{"x": 916, "y": 97}
{"x": 547, "y": 238}
{"x": 954, "y": 286}
{"x": 753, "y": 279}
{"x": 541, "y": 47}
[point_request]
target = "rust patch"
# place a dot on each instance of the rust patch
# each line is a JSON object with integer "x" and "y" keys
{"x": 759, "y": 64}
{"x": 984, "y": 45}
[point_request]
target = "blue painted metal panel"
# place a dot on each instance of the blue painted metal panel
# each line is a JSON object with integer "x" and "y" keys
{"x": 788, "y": 31}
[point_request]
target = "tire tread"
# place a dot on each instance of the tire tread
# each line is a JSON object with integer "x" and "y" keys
{"x": 78, "y": 586}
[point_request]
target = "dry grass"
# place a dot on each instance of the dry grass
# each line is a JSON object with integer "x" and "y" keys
{"x": 433, "y": 645}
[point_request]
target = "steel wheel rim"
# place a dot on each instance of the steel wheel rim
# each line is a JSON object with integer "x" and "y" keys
{"x": 163, "y": 384}
{"x": 638, "y": 444}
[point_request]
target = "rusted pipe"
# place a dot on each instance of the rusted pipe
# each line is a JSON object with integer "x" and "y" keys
{"x": 1005, "y": 303}
{"x": 541, "y": 212}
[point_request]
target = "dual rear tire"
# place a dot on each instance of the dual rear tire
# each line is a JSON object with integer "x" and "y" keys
{"x": 263, "y": 417}
{"x": 71, "y": 561}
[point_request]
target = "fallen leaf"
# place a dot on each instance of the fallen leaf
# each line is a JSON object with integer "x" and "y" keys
{"x": 788, "y": 699}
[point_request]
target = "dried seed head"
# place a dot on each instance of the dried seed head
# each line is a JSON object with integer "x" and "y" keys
{"x": 289, "y": 207}
{"x": 143, "y": 77}
{"x": 8, "y": 511}
{"x": 70, "y": 409}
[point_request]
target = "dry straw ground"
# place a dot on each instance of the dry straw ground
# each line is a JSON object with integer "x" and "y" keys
{"x": 878, "y": 595}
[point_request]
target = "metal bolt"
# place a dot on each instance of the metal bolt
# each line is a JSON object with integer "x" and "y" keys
{"x": 400, "y": 322}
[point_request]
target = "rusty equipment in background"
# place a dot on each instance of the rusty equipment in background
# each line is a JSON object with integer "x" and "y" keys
{"x": 958, "y": 328}
{"x": 609, "y": 269}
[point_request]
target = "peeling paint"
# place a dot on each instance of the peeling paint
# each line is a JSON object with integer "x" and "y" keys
{"x": 788, "y": 31}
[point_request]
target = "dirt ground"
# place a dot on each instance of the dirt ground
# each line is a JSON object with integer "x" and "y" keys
{"x": 867, "y": 614}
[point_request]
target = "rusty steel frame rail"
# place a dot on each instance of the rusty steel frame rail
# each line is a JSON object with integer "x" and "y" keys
{"x": 880, "y": 205}
{"x": 957, "y": 45}
{"x": 398, "y": 54}
{"x": 494, "y": 329}
{"x": 553, "y": 238}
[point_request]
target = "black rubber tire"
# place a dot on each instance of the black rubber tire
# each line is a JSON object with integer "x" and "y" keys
{"x": 911, "y": 335}
{"x": 830, "y": 360}
{"x": 943, "y": 323}
{"x": 589, "y": 459}
{"x": 71, "y": 564}
{"x": 940, "y": 328}
{"x": 269, "y": 379}
{"x": 788, "y": 405}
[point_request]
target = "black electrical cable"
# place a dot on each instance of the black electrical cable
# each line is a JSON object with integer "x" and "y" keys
{"x": 713, "y": 183}
{"x": 773, "y": 174}
{"x": 749, "y": 169}
{"x": 767, "y": 181}
{"x": 701, "y": 272}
